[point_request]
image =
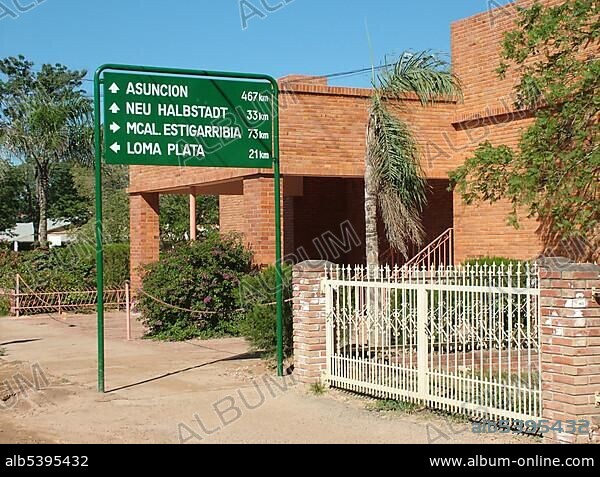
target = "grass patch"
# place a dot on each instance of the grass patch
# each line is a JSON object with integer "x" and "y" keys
{"x": 452, "y": 417}
{"x": 391, "y": 405}
{"x": 318, "y": 389}
{"x": 407, "y": 407}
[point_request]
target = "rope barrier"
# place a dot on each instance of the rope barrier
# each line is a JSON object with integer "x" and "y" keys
{"x": 35, "y": 293}
{"x": 164, "y": 303}
{"x": 206, "y": 312}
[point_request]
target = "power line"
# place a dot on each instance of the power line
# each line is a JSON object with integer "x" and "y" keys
{"x": 304, "y": 79}
{"x": 339, "y": 74}
{"x": 343, "y": 74}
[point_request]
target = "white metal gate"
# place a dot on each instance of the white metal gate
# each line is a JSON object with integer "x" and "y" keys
{"x": 464, "y": 340}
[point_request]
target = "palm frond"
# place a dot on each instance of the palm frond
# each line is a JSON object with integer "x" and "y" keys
{"x": 424, "y": 74}
{"x": 400, "y": 183}
{"x": 392, "y": 152}
{"x": 403, "y": 224}
{"x": 394, "y": 155}
{"x": 55, "y": 129}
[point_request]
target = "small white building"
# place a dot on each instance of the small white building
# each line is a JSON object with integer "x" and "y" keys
{"x": 22, "y": 235}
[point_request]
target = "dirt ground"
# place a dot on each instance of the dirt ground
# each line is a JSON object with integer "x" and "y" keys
{"x": 202, "y": 391}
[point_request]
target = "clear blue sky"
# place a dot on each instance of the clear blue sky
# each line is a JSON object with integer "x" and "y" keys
{"x": 304, "y": 36}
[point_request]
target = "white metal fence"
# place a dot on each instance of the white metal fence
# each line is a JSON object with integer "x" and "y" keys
{"x": 463, "y": 340}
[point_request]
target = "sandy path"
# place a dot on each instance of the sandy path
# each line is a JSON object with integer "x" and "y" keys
{"x": 212, "y": 391}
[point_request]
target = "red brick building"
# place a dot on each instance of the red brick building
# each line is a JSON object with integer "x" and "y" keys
{"x": 322, "y": 160}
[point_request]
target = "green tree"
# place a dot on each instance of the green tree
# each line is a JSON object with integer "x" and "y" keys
{"x": 65, "y": 199}
{"x": 115, "y": 203}
{"x": 10, "y": 194}
{"x": 19, "y": 200}
{"x": 23, "y": 176}
{"x": 394, "y": 183}
{"x": 554, "y": 174}
{"x": 44, "y": 120}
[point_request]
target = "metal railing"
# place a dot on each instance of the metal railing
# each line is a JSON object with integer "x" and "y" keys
{"x": 440, "y": 252}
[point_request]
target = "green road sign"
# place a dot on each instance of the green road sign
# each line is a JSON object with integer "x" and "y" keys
{"x": 188, "y": 118}
{"x": 152, "y": 119}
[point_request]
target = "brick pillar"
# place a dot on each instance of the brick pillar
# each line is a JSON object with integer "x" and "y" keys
{"x": 570, "y": 334}
{"x": 145, "y": 234}
{"x": 309, "y": 321}
{"x": 259, "y": 218}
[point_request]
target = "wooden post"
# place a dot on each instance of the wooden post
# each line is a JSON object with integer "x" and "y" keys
{"x": 128, "y": 311}
{"x": 192, "y": 217}
{"x": 59, "y": 303}
{"x": 17, "y": 298}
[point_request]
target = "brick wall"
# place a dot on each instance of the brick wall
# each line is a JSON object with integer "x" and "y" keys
{"x": 232, "y": 214}
{"x": 488, "y": 114}
{"x": 483, "y": 231}
{"x": 323, "y": 135}
{"x": 476, "y": 55}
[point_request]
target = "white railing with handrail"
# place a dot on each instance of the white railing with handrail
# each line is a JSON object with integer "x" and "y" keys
{"x": 440, "y": 252}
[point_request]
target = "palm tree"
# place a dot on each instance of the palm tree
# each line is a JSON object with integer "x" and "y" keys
{"x": 48, "y": 130}
{"x": 395, "y": 186}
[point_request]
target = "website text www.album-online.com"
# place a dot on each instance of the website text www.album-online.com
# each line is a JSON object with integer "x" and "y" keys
{"x": 534, "y": 461}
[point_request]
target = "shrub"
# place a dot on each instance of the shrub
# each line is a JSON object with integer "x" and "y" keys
{"x": 9, "y": 263}
{"x": 201, "y": 276}
{"x": 259, "y": 323}
{"x": 116, "y": 265}
{"x": 318, "y": 389}
{"x": 59, "y": 269}
{"x": 4, "y": 305}
{"x": 62, "y": 269}
{"x": 493, "y": 260}
{"x": 67, "y": 268}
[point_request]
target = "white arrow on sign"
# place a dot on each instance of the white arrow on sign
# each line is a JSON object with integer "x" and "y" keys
{"x": 114, "y": 127}
{"x": 113, "y": 88}
{"x": 115, "y": 147}
{"x": 114, "y": 108}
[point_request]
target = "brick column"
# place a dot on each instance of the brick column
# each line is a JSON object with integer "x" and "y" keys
{"x": 145, "y": 234}
{"x": 309, "y": 321}
{"x": 570, "y": 346}
{"x": 259, "y": 210}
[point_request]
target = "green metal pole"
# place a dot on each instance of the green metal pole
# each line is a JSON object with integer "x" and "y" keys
{"x": 99, "y": 232}
{"x": 278, "y": 271}
{"x": 278, "y": 257}
{"x": 99, "y": 248}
